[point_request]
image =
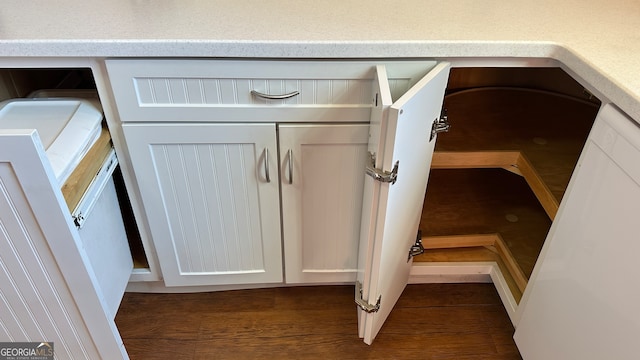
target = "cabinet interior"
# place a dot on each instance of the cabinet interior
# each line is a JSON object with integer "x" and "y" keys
{"x": 25, "y": 83}
{"x": 499, "y": 175}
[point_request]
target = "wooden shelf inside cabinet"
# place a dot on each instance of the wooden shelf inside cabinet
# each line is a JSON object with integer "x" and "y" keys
{"x": 80, "y": 180}
{"x": 490, "y": 209}
{"x": 537, "y": 134}
{"x": 81, "y": 177}
{"x": 475, "y": 254}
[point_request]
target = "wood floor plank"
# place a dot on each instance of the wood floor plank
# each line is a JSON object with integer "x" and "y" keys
{"x": 431, "y": 321}
{"x": 173, "y": 325}
{"x": 161, "y": 349}
{"x": 451, "y": 295}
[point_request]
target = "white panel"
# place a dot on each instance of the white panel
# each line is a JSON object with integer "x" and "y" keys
{"x": 228, "y": 190}
{"x": 228, "y": 93}
{"x": 105, "y": 241}
{"x": 194, "y": 90}
{"x": 396, "y": 208}
{"x": 213, "y": 215}
{"x": 322, "y": 207}
{"x": 40, "y": 298}
{"x": 211, "y": 91}
{"x": 171, "y": 91}
{"x": 330, "y": 208}
{"x": 159, "y": 91}
{"x": 166, "y": 90}
{"x": 397, "y": 87}
{"x": 581, "y": 301}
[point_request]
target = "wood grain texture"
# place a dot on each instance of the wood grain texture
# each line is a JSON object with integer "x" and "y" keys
{"x": 435, "y": 321}
{"x": 80, "y": 179}
{"x": 549, "y": 202}
{"x": 486, "y": 201}
{"x": 458, "y": 241}
{"x": 510, "y": 262}
{"x": 550, "y": 79}
{"x": 529, "y": 132}
{"x": 492, "y": 242}
{"x": 513, "y": 161}
{"x": 549, "y": 129}
{"x": 473, "y": 254}
{"x": 474, "y": 159}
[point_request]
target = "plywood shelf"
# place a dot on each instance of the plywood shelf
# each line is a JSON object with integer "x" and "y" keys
{"x": 515, "y": 127}
{"x": 499, "y": 175}
{"x": 513, "y": 161}
{"x": 484, "y": 202}
{"x": 80, "y": 179}
{"x": 472, "y": 254}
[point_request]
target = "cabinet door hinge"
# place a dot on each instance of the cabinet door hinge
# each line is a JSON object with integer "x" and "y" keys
{"x": 78, "y": 220}
{"x": 379, "y": 174}
{"x": 417, "y": 248}
{"x": 440, "y": 125}
{"x": 365, "y": 306}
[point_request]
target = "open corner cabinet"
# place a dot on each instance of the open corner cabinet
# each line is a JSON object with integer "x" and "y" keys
{"x": 495, "y": 182}
{"x": 499, "y": 177}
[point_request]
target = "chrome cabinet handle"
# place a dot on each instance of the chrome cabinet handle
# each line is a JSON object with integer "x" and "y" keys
{"x": 274, "y": 97}
{"x": 290, "y": 156}
{"x": 266, "y": 165}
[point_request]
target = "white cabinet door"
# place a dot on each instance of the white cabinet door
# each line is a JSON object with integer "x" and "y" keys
{"x": 582, "y": 300}
{"x": 210, "y": 192}
{"x": 322, "y": 177}
{"x": 48, "y": 287}
{"x": 400, "y": 134}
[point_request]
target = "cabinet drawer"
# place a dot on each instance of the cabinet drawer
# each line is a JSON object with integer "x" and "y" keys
{"x": 220, "y": 90}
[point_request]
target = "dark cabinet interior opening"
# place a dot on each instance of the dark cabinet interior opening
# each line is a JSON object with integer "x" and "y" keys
{"x": 499, "y": 175}
{"x": 42, "y": 83}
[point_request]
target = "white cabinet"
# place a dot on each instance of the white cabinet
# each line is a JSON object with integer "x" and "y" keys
{"x": 581, "y": 300}
{"x": 234, "y": 236}
{"x": 211, "y": 196}
{"x": 211, "y": 193}
{"x": 202, "y": 141}
{"x": 179, "y": 116}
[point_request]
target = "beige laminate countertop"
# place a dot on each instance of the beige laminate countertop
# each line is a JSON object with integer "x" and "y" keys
{"x": 598, "y": 40}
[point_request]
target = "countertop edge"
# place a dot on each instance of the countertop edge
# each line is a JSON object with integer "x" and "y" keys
{"x": 607, "y": 85}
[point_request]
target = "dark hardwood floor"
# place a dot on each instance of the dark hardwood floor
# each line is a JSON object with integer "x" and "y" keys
{"x": 434, "y": 321}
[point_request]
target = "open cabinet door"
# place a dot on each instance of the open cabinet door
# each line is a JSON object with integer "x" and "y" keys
{"x": 48, "y": 289}
{"x": 401, "y": 145}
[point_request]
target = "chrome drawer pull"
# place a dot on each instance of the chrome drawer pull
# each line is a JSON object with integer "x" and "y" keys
{"x": 274, "y": 97}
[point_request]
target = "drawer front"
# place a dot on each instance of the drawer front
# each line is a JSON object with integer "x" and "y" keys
{"x": 221, "y": 90}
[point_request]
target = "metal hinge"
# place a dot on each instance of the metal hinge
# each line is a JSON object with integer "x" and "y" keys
{"x": 440, "y": 125}
{"x": 78, "y": 220}
{"x": 417, "y": 248}
{"x": 381, "y": 175}
{"x": 365, "y": 306}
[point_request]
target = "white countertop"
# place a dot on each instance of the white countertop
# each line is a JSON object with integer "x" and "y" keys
{"x": 598, "y": 40}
